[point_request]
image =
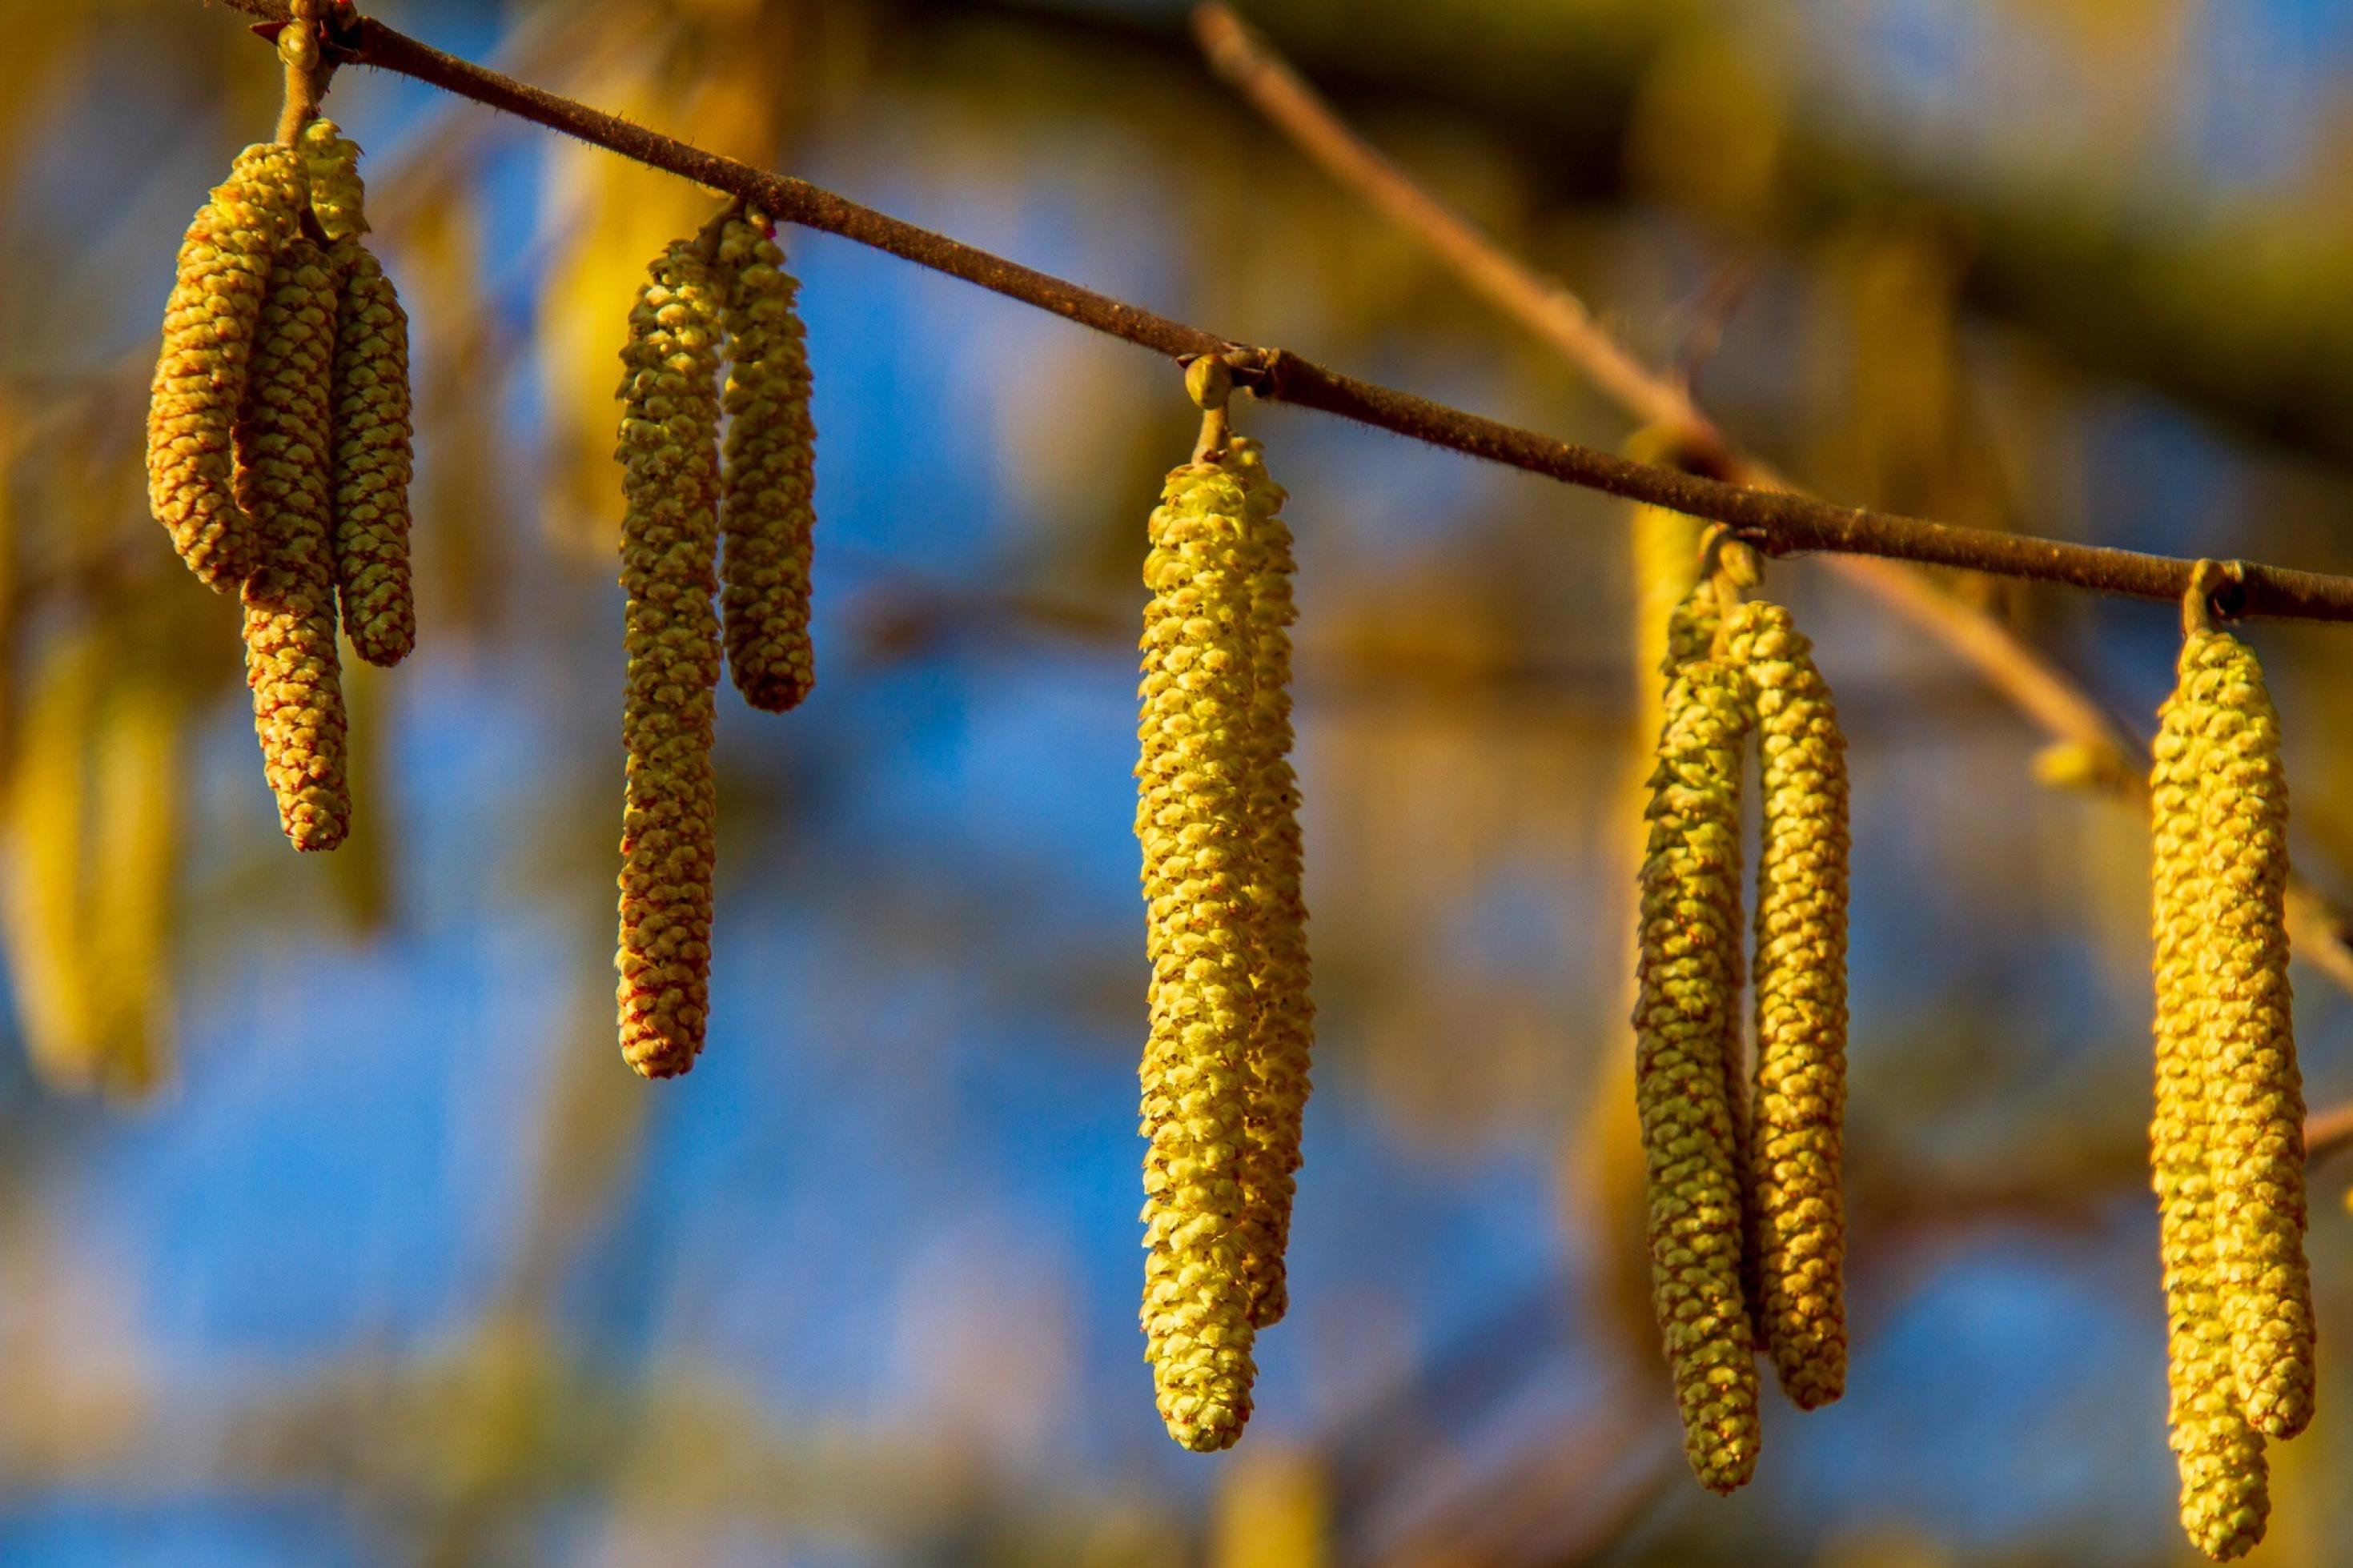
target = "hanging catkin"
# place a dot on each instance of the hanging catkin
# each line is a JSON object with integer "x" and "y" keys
{"x": 338, "y": 195}
{"x": 201, "y": 376}
{"x": 2248, "y": 1041}
{"x": 283, "y": 440}
{"x": 1193, "y": 821}
{"x": 1283, "y": 1028}
{"x": 1795, "y": 1136}
{"x": 373, "y": 462}
{"x": 1686, "y": 1010}
{"x": 669, "y": 454}
{"x": 2225, "y": 1498}
{"x": 768, "y": 514}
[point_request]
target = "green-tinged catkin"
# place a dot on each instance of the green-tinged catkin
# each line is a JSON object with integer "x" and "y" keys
{"x": 669, "y": 455}
{"x": 1687, "y": 1008}
{"x": 768, "y": 514}
{"x": 338, "y": 195}
{"x": 2225, "y": 1494}
{"x": 1193, "y": 822}
{"x": 283, "y": 439}
{"x": 1796, "y": 1143}
{"x": 373, "y": 462}
{"x": 2248, "y": 1040}
{"x": 1283, "y": 1030}
{"x": 201, "y": 375}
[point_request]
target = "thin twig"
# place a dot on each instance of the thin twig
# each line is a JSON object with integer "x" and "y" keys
{"x": 1777, "y": 524}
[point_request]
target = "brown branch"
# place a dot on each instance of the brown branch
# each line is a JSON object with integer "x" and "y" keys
{"x": 1777, "y": 524}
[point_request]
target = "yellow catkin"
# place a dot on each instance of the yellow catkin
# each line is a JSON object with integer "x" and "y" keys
{"x": 669, "y": 539}
{"x": 283, "y": 441}
{"x": 373, "y": 462}
{"x": 1686, "y": 1009}
{"x": 59, "y": 995}
{"x": 1194, "y": 826}
{"x": 338, "y": 195}
{"x": 134, "y": 855}
{"x": 768, "y": 514}
{"x": 2248, "y": 1042}
{"x": 201, "y": 375}
{"x": 1796, "y": 1143}
{"x": 1283, "y": 1029}
{"x": 2225, "y": 1498}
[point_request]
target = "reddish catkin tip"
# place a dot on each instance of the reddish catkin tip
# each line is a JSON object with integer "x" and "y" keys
{"x": 373, "y": 462}
{"x": 668, "y": 452}
{"x": 768, "y": 513}
{"x": 289, "y": 599}
{"x": 201, "y": 374}
{"x": 1195, "y": 829}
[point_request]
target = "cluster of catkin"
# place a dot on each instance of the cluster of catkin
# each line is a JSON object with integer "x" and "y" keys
{"x": 1225, "y": 1069}
{"x": 2227, "y": 1139}
{"x": 278, "y": 448}
{"x": 1747, "y": 1220}
{"x": 722, "y": 294}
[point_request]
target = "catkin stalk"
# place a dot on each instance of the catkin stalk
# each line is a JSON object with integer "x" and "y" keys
{"x": 2225, "y": 1495}
{"x": 669, "y": 455}
{"x": 283, "y": 446}
{"x": 201, "y": 376}
{"x": 768, "y": 513}
{"x": 1283, "y": 1028}
{"x": 1795, "y": 1135}
{"x": 1685, "y": 1011}
{"x": 1195, "y": 829}
{"x": 373, "y": 461}
{"x": 2248, "y": 1040}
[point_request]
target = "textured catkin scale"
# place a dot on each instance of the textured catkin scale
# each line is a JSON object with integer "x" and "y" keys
{"x": 2225, "y": 1494}
{"x": 2248, "y": 1041}
{"x": 669, "y": 455}
{"x": 1796, "y": 1137}
{"x": 338, "y": 195}
{"x": 373, "y": 461}
{"x": 1193, "y": 824}
{"x": 207, "y": 358}
{"x": 768, "y": 514}
{"x": 1686, "y": 1007}
{"x": 283, "y": 441}
{"x": 1283, "y": 1032}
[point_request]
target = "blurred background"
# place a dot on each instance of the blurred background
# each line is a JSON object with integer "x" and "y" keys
{"x": 332, "y": 1229}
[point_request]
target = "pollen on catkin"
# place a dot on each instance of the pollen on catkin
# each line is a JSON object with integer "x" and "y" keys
{"x": 767, "y": 515}
{"x": 2226, "y": 1493}
{"x": 1795, "y": 1135}
{"x": 1686, "y": 1009}
{"x": 200, "y": 380}
{"x": 283, "y": 440}
{"x": 668, "y": 451}
{"x": 338, "y": 195}
{"x": 2248, "y": 1041}
{"x": 1283, "y": 1029}
{"x": 1195, "y": 827}
{"x": 373, "y": 461}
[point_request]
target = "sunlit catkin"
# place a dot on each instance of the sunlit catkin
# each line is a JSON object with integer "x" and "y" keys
{"x": 768, "y": 514}
{"x": 1795, "y": 1135}
{"x": 338, "y": 195}
{"x": 2248, "y": 1039}
{"x": 1685, "y": 1011}
{"x": 1283, "y": 1029}
{"x": 201, "y": 376}
{"x": 1195, "y": 827}
{"x": 373, "y": 462}
{"x": 669, "y": 455}
{"x": 2225, "y": 1498}
{"x": 284, "y": 442}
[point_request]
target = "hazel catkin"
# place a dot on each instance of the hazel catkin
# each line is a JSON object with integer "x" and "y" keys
{"x": 338, "y": 195}
{"x": 2225, "y": 1495}
{"x": 1796, "y": 1132}
{"x": 284, "y": 442}
{"x": 1686, "y": 1009}
{"x": 373, "y": 462}
{"x": 767, "y": 514}
{"x": 1194, "y": 826}
{"x": 201, "y": 375}
{"x": 669, "y": 450}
